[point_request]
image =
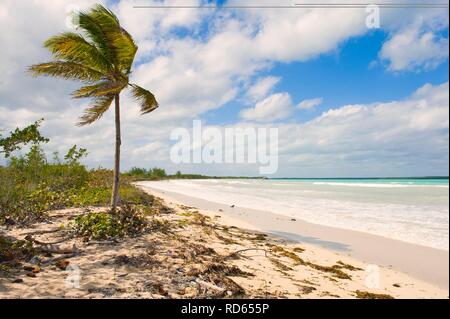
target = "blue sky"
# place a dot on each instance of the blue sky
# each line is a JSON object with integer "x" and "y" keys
{"x": 354, "y": 77}
{"x": 347, "y": 100}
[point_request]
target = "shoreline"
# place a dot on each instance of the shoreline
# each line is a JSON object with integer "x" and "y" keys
{"x": 423, "y": 263}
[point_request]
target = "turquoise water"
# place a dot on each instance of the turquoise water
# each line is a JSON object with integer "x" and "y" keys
{"x": 386, "y": 181}
{"x": 414, "y": 210}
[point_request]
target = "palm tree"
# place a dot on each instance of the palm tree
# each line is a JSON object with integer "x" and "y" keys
{"x": 100, "y": 57}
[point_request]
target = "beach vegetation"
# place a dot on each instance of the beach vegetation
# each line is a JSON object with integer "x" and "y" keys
{"x": 21, "y": 137}
{"x": 137, "y": 173}
{"x": 31, "y": 184}
{"x": 125, "y": 221}
{"x": 143, "y": 174}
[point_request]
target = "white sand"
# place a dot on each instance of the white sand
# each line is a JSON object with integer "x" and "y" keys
{"x": 402, "y": 259}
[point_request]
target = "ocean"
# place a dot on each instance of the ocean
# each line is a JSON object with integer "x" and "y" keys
{"x": 411, "y": 210}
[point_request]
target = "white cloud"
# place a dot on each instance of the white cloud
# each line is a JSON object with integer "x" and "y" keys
{"x": 396, "y": 138}
{"x": 310, "y": 104}
{"x": 412, "y": 49}
{"x": 417, "y": 40}
{"x": 275, "y": 107}
{"x": 357, "y": 140}
{"x": 152, "y": 26}
{"x": 286, "y": 34}
{"x": 262, "y": 87}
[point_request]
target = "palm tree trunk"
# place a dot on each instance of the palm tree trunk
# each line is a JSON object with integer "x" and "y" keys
{"x": 115, "y": 191}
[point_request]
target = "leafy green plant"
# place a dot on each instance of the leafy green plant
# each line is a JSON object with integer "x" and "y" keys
{"x": 20, "y": 137}
{"x": 31, "y": 185}
{"x": 127, "y": 221}
{"x": 137, "y": 173}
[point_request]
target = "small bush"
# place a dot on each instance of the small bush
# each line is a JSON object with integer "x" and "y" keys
{"x": 127, "y": 221}
{"x": 30, "y": 185}
{"x": 97, "y": 191}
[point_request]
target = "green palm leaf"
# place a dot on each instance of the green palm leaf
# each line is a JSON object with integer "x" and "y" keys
{"x": 96, "y": 110}
{"x": 145, "y": 98}
{"x": 103, "y": 27}
{"x": 126, "y": 50}
{"x": 97, "y": 35}
{"x": 100, "y": 89}
{"x": 66, "y": 70}
{"x": 73, "y": 47}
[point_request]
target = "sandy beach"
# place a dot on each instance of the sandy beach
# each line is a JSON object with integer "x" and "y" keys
{"x": 199, "y": 253}
{"x": 419, "y": 262}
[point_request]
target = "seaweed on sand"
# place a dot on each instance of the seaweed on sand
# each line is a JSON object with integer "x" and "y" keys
{"x": 369, "y": 295}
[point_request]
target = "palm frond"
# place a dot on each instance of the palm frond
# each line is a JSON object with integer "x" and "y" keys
{"x": 66, "y": 70}
{"x": 126, "y": 50}
{"x": 86, "y": 91}
{"x": 73, "y": 47}
{"x": 96, "y": 34}
{"x": 145, "y": 98}
{"x": 101, "y": 56}
{"x": 124, "y": 46}
{"x": 103, "y": 28}
{"x": 104, "y": 16}
{"x": 96, "y": 110}
{"x": 99, "y": 89}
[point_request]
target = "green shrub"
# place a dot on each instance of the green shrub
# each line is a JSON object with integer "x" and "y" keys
{"x": 97, "y": 191}
{"x": 128, "y": 221}
{"x": 137, "y": 173}
{"x": 31, "y": 185}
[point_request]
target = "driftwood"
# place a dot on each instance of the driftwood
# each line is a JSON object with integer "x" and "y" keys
{"x": 31, "y": 239}
{"x": 57, "y": 249}
{"x": 52, "y": 247}
{"x": 209, "y": 285}
{"x": 41, "y": 232}
{"x": 53, "y": 260}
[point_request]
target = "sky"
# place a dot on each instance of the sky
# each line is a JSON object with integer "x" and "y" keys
{"x": 348, "y": 100}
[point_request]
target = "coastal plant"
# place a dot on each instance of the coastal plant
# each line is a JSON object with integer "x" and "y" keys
{"x": 20, "y": 137}
{"x": 100, "y": 56}
{"x": 128, "y": 221}
{"x": 30, "y": 186}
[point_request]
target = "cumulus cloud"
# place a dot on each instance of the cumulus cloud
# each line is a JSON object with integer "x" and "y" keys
{"x": 399, "y": 136}
{"x": 262, "y": 87}
{"x": 273, "y": 108}
{"x": 412, "y": 49}
{"x": 392, "y": 138}
{"x": 417, "y": 43}
{"x": 310, "y": 104}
